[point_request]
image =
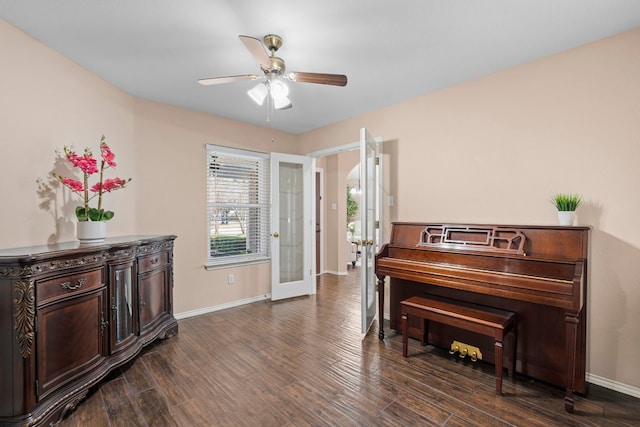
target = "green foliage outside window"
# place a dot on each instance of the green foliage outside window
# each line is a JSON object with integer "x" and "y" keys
{"x": 352, "y": 207}
{"x": 228, "y": 245}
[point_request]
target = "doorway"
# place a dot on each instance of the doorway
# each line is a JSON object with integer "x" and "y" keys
{"x": 331, "y": 209}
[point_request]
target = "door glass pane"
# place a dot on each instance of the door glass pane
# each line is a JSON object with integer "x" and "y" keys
{"x": 368, "y": 149}
{"x": 291, "y": 239}
{"x": 121, "y": 304}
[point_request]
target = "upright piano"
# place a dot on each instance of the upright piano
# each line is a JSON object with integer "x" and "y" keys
{"x": 539, "y": 272}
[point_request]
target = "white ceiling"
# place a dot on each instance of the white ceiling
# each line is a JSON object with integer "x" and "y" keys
{"x": 390, "y": 50}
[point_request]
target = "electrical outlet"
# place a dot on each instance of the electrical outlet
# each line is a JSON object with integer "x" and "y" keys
{"x": 231, "y": 279}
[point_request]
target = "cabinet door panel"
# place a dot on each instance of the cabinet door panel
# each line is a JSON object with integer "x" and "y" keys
{"x": 122, "y": 295}
{"x": 153, "y": 289}
{"x": 71, "y": 335}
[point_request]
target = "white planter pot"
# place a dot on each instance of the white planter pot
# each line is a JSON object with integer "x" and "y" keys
{"x": 566, "y": 217}
{"x": 91, "y": 231}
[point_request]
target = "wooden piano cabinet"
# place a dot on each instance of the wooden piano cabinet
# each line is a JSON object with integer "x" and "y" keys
{"x": 544, "y": 281}
{"x": 69, "y": 315}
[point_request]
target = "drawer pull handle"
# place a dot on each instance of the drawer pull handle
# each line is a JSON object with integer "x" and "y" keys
{"x": 70, "y": 287}
{"x": 155, "y": 260}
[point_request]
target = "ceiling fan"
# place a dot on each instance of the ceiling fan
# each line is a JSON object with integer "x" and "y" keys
{"x": 274, "y": 70}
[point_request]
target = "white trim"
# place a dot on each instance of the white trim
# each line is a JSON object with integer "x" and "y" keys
{"x": 237, "y": 151}
{"x": 613, "y": 385}
{"x": 322, "y": 224}
{"x": 339, "y": 149}
{"x": 224, "y": 306}
{"x": 211, "y": 266}
{"x": 335, "y": 150}
{"x": 336, "y": 273}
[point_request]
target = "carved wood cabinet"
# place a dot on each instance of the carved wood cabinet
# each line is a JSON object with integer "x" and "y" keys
{"x": 71, "y": 313}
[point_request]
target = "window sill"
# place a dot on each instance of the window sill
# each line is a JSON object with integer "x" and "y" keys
{"x": 236, "y": 264}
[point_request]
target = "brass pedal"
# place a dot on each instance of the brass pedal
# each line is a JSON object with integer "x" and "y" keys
{"x": 465, "y": 350}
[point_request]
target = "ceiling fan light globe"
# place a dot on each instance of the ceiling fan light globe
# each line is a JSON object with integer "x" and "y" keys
{"x": 258, "y": 93}
{"x": 279, "y": 89}
{"x": 281, "y": 103}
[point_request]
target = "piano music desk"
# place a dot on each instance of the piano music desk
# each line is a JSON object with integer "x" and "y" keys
{"x": 482, "y": 320}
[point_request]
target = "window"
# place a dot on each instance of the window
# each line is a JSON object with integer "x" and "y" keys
{"x": 237, "y": 205}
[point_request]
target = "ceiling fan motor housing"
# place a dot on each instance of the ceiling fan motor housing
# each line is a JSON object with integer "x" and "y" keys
{"x": 272, "y": 42}
{"x": 277, "y": 66}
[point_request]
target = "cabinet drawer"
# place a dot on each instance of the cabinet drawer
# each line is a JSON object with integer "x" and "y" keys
{"x": 59, "y": 286}
{"x": 149, "y": 262}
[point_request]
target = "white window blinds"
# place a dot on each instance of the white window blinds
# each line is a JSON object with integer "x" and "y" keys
{"x": 237, "y": 205}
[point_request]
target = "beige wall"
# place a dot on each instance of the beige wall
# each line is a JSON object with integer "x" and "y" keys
{"x": 491, "y": 150}
{"x": 495, "y": 149}
{"x": 47, "y": 102}
{"x": 337, "y": 167}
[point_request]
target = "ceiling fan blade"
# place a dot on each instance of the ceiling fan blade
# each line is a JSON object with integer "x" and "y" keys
{"x": 258, "y": 51}
{"x": 319, "y": 78}
{"x": 227, "y": 79}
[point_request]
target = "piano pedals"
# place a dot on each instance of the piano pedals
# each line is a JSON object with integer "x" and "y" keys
{"x": 465, "y": 350}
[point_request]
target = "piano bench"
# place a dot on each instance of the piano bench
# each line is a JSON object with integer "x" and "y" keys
{"x": 483, "y": 320}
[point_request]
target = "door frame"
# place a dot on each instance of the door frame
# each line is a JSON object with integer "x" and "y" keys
{"x": 320, "y": 171}
{"x": 328, "y": 152}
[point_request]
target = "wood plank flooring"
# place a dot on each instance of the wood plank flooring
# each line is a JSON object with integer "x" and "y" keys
{"x": 302, "y": 362}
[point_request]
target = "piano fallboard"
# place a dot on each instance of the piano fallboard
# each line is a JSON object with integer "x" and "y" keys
{"x": 540, "y": 272}
{"x": 554, "y": 283}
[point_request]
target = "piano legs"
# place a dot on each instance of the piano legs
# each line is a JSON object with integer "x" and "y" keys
{"x": 498, "y": 364}
{"x": 571, "y": 323}
{"x": 381, "y": 307}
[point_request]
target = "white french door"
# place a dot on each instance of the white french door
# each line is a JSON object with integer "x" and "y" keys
{"x": 368, "y": 208}
{"x": 291, "y": 226}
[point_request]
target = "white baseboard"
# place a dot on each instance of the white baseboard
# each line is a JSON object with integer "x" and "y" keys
{"x": 219, "y": 307}
{"x": 337, "y": 273}
{"x": 613, "y": 385}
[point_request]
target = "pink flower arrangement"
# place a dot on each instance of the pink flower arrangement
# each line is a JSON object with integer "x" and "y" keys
{"x": 89, "y": 166}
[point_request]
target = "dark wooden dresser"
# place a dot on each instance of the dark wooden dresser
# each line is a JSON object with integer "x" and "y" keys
{"x": 71, "y": 313}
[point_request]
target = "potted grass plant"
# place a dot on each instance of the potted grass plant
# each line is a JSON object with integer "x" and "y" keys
{"x": 566, "y": 204}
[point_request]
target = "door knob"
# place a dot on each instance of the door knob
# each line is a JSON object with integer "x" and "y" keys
{"x": 276, "y": 234}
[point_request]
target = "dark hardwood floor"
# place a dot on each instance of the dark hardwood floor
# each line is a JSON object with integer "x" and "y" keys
{"x": 302, "y": 362}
